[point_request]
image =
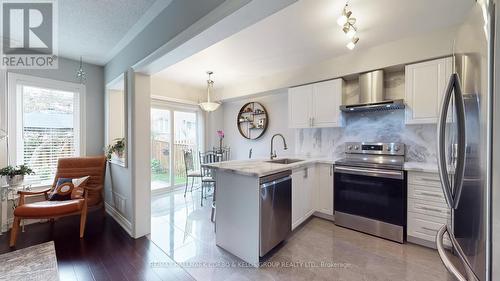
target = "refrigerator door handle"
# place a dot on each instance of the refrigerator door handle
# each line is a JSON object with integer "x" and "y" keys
{"x": 444, "y": 257}
{"x": 441, "y": 152}
{"x": 452, "y": 198}
{"x": 461, "y": 142}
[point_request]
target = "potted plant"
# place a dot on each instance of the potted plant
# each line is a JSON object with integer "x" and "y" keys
{"x": 118, "y": 148}
{"x": 15, "y": 175}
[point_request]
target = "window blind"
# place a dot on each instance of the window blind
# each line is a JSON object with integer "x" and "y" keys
{"x": 48, "y": 130}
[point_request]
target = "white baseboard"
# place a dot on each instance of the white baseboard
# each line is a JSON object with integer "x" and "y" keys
{"x": 119, "y": 218}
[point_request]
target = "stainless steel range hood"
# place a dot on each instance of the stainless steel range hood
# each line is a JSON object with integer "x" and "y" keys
{"x": 371, "y": 94}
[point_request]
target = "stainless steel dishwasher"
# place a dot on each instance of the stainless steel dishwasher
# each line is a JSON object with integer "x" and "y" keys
{"x": 275, "y": 210}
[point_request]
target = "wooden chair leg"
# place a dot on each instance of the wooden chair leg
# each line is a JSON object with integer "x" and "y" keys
{"x": 83, "y": 220}
{"x": 14, "y": 231}
{"x": 192, "y": 183}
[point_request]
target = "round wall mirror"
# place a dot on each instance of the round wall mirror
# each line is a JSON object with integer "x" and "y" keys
{"x": 252, "y": 120}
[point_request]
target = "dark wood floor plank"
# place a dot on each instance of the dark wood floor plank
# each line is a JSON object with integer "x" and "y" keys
{"x": 107, "y": 252}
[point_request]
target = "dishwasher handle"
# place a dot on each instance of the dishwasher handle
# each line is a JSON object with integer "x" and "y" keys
{"x": 275, "y": 182}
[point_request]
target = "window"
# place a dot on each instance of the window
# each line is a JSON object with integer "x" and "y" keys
{"x": 45, "y": 123}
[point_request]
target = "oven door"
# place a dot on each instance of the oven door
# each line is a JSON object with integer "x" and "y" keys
{"x": 371, "y": 193}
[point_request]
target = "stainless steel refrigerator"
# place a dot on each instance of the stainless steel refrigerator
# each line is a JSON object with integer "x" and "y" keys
{"x": 464, "y": 147}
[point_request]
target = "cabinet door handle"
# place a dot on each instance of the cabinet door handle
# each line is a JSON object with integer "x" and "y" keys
{"x": 312, "y": 122}
{"x": 306, "y": 173}
{"x": 331, "y": 170}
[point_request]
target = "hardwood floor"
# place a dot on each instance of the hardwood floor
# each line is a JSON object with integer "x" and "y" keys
{"x": 106, "y": 253}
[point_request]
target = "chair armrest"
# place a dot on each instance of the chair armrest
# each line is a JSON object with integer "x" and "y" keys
{"x": 31, "y": 192}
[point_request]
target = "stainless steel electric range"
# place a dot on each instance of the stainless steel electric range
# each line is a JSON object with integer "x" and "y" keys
{"x": 370, "y": 189}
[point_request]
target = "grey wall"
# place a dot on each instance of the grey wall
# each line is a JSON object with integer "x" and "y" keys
{"x": 94, "y": 97}
{"x": 118, "y": 189}
{"x": 277, "y": 107}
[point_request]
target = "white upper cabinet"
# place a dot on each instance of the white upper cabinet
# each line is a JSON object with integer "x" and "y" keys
{"x": 315, "y": 105}
{"x": 425, "y": 86}
{"x": 327, "y": 98}
{"x": 299, "y": 106}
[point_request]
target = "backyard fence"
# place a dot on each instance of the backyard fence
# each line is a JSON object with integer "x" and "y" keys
{"x": 160, "y": 156}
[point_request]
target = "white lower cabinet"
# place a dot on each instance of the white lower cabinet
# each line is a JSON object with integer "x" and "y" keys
{"x": 312, "y": 191}
{"x": 303, "y": 195}
{"x": 324, "y": 196}
{"x": 427, "y": 209}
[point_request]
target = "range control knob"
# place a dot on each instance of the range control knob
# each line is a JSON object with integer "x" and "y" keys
{"x": 356, "y": 147}
{"x": 349, "y": 147}
{"x": 396, "y": 148}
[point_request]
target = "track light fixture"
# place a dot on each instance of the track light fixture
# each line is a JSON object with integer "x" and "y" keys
{"x": 347, "y": 22}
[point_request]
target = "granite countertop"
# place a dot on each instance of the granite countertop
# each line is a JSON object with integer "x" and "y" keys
{"x": 428, "y": 167}
{"x": 261, "y": 167}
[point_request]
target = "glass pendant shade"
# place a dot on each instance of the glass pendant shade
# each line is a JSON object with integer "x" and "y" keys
{"x": 81, "y": 75}
{"x": 209, "y": 105}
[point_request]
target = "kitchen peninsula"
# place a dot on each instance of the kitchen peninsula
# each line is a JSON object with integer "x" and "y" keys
{"x": 255, "y": 199}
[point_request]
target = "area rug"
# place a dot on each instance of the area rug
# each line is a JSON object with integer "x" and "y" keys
{"x": 33, "y": 263}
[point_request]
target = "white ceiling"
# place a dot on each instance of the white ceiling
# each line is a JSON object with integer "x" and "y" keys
{"x": 98, "y": 29}
{"x": 306, "y": 32}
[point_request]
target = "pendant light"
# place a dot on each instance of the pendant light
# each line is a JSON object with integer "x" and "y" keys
{"x": 81, "y": 75}
{"x": 209, "y": 105}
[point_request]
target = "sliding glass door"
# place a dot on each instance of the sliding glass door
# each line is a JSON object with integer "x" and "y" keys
{"x": 161, "y": 139}
{"x": 173, "y": 130}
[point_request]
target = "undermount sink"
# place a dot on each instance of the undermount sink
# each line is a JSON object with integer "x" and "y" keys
{"x": 285, "y": 161}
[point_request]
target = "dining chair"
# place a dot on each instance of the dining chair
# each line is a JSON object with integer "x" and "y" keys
{"x": 208, "y": 176}
{"x": 224, "y": 152}
{"x": 190, "y": 169}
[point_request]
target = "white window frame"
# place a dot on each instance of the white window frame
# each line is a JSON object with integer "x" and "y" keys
{"x": 15, "y": 114}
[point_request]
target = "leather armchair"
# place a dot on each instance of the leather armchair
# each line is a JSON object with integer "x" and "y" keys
{"x": 93, "y": 199}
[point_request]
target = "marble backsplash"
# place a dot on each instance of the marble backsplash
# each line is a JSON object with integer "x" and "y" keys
{"x": 382, "y": 126}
